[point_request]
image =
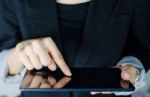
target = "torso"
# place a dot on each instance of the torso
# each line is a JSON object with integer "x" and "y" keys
{"x": 71, "y": 22}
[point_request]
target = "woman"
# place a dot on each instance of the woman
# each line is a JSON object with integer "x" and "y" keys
{"x": 75, "y": 33}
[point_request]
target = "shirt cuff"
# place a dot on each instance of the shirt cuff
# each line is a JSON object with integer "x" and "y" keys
{"x": 4, "y": 67}
{"x": 9, "y": 84}
{"x": 131, "y": 60}
{"x": 4, "y": 78}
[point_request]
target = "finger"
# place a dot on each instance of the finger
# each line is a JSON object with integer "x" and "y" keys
{"x": 125, "y": 75}
{"x": 27, "y": 80}
{"x": 45, "y": 84}
{"x": 130, "y": 72}
{"x": 42, "y": 53}
{"x": 25, "y": 60}
{"x": 61, "y": 83}
{"x": 52, "y": 66}
{"x": 33, "y": 58}
{"x": 21, "y": 46}
{"x": 57, "y": 57}
{"x": 51, "y": 80}
{"x": 36, "y": 82}
{"x": 124, "y": 84}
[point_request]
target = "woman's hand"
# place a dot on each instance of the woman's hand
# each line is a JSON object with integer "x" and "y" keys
{"x": 38, "y": 53}
{"x": 129, "y": 73}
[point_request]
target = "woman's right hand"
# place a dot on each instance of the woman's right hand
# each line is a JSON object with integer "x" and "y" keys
{"x": 39, "y": 53}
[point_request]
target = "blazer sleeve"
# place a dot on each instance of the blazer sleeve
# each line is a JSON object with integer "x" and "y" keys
{"x": 138, "y": 41}
{"x": 9, "y": 29}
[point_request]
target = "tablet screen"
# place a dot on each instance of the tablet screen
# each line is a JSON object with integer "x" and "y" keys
{"x": 89, "y": 79}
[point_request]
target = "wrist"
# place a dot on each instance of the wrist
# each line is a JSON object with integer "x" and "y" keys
{"x": 14, "y": 64}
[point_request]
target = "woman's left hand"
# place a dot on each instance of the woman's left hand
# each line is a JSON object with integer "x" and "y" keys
{"x": 129, "y": 73}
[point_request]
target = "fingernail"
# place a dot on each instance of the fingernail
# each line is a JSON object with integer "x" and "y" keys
{"x": 53, "y": 68}
{"x": 69, "y": 73}
{"x": 46, "y": 64}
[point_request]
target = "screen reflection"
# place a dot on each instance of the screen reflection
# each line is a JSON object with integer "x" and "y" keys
{"x": 81, "y": 80}
{"x": 39, "y": 80}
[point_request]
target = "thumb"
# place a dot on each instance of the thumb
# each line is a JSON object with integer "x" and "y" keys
{"x": 125, "y": 75}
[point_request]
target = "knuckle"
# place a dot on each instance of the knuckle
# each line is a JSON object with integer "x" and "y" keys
{"x": 37, "y": 46}
{"x": 60, "y": 60}
{"x": 21, "y": 54}
{"x": 36, "y": 42}
{"x": 48, "y": 39}
{"x": 19, "y": 47}
{"x": 28, "y": 47}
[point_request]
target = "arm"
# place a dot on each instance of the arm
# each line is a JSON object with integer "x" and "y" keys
{"x": 4, "y": 66}
{"x": 26, "y": 53}
{"x": 139, "y": 82}
{"x": 137, "y": 47}
{"x": 9, "y": 37}
{"x": 9, "y": 84}
{"x": 131, "y": 60}
{"x": 129, "y": 66}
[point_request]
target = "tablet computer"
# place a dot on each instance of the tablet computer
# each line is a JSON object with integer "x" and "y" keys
{"x": 82, "y": 79}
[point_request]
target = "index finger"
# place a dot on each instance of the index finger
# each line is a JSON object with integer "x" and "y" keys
{"x": 57, "y": 57}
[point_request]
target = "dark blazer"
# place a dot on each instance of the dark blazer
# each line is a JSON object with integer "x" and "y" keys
{"x": 113, "y": 29}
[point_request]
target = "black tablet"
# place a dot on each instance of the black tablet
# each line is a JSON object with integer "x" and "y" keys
{"x": 82, "y": 79}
